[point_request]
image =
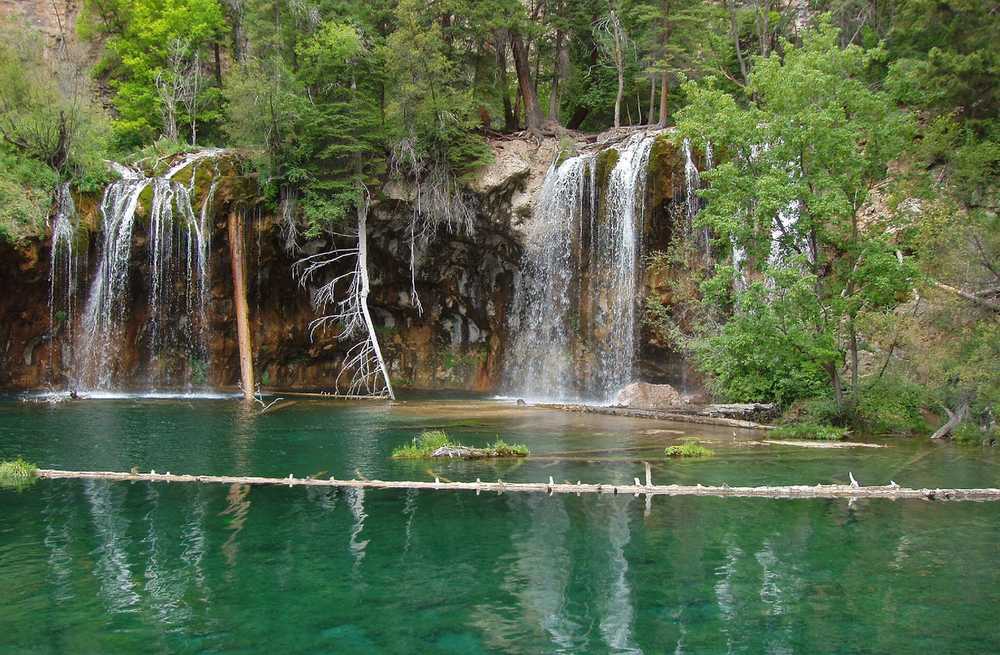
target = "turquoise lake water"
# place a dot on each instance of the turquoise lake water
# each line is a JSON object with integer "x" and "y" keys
{"x": 96, "y": 567}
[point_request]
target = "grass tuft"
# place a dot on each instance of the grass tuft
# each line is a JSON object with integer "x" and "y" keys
{"x": 501, "y": 448}
{"x": 17, "y": 474}
{"x": 688, "y": 449}
{"x": 423, "y": 446}
{"x": 810, "y": 430}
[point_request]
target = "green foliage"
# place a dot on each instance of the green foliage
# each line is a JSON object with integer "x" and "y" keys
{"x": 892, "y": 405}
{"x": 770, "y": 349}
{"x": 50, "y": 125}
{"x": 26, "y": 187}
{"x": 970, "y": 434}
{"x": 811, "y": 143}
{"x": 17, "y": 474}
{"x": 656, "y": 316}
{"x": 501, "y": 448}
{"x": 688, "y": 449}
{"x": 157, "y": 55}
{"x": 810, "y": 430}
{"x": 199, "y": 370}
{"x": 422, "y": 446}
{"x": 821, "y": 410}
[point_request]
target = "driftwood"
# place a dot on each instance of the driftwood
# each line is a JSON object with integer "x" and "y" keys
{"x": 683, "y": 417}
{"x": 954, "y": 418}
{"x": 891, "y": 491}
{"x": 821, "y": 444}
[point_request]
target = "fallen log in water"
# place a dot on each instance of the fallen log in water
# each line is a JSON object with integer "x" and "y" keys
{"x": 801, "y": 443}
{"x": 683, "y": 417}
{"x": 637, "y": 488}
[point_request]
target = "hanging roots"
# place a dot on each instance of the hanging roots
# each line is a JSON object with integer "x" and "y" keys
{"x": 438, "y": 200}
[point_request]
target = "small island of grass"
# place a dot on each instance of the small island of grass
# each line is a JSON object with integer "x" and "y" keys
{"x": 17, "y": 474}
{"x": 436, "y": 443}
{"x": 688, "y": 449}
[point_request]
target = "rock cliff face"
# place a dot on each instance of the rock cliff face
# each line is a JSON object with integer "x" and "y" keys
{"x": 464, "y": 281}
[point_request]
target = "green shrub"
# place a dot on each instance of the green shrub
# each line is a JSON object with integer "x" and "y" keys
{"x": 422, "y": 446}
{"x": 430, "y": 440}
{"x": 820, "y": 410}
{"x": 969, "y": 434}
{"x": 688, "y": 449}
{"x": 810, "y": 430}
{"x": 891, "y": 405}
{"x": 17, "y": 474}
{"x": 501, "y": 448}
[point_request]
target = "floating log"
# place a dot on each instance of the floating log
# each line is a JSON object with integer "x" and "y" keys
{"x": 682, "y": 417}
{"x": 802, "y": 443}
{"x": 893, "y": 492}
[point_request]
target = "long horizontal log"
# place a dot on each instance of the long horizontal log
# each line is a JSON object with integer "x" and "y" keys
{"x": 681, "y": 417}
{"x": 794, "y": 491}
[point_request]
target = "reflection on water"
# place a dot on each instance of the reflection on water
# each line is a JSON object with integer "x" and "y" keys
{"x": 95, "y": 567}
{"x": 238, "y": 506}
{"x": 408, "y": 571}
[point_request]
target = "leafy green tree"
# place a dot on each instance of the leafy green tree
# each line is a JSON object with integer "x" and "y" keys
{"x": 51, "y": 130}
{"x": 157, "y": 52}
{"x": 800, "y": 163}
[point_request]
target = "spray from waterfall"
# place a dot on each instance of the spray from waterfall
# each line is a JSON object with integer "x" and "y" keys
{"x": 573, "y": 320}
{"x": 179, "y": 242}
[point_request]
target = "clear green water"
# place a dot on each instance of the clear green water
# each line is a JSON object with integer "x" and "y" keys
{"x": 92, "y": 567}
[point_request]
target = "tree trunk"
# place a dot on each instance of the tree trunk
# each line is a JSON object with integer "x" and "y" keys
{"x": 650, "y": 119}
{"x": 532, "y": 114}
{"x": 363, "y": 291}
{"x": 664, "y": 98}
{"x": 509, "y": 121}
{"x": 855, "y": 365}
{"x": 838, "y": 391}
{"x": 218, "y": 64}
{"x": 236, "y": 257}
{"x": 735, "y": 34}
{"x": 954, "y": 418}
{"x": 621, "y": 90}
{"x": 561, "y": 66}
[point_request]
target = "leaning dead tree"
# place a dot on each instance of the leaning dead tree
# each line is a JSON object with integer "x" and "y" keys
{"x": 349, "y": 314}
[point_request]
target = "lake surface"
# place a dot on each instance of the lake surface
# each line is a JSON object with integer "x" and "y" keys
{"x": 97, "y": 567}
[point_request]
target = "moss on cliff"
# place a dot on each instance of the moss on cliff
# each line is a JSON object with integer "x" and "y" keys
{"x": 665, "y": 172}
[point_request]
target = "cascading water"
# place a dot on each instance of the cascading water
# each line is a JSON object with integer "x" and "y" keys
{"x": 692, "y": 182}
{"x": 64, "y": 275}
{"x": 175, "y": 333}
{"x": 573, "y": 320}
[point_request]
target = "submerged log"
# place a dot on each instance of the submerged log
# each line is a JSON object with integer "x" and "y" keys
{"x": 891, "y": 491}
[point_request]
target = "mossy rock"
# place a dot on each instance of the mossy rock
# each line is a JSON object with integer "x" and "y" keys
{"x": 665, "y": 171}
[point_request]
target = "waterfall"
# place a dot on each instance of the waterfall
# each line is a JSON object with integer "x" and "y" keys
{"x": 63, "y": 275}
{"x": 178, "y": 242}
{"x": 692, "y": 182}
{"x": 573, "y": 319}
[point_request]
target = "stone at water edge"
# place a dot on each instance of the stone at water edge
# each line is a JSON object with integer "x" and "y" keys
{"x": 643, "y": 395}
